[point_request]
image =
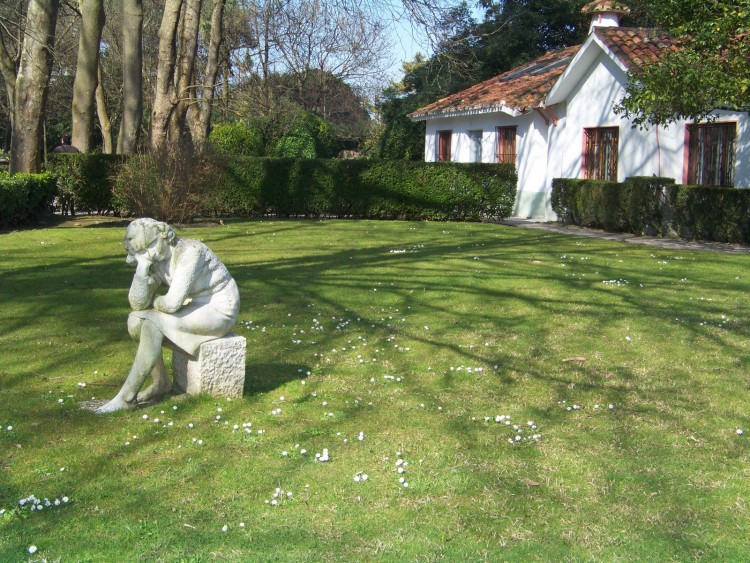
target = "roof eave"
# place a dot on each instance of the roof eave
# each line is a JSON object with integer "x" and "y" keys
{"x": 463, "y": 112}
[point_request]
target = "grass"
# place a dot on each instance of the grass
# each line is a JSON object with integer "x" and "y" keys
{"x": 417, "y": 335}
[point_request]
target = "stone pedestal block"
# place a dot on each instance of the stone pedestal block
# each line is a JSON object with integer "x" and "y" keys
{"x": 218, "y": 369}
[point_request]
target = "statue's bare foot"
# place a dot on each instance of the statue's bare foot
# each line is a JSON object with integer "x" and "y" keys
{"x": 155, "y": 391}
{"x": 116, "y": 404}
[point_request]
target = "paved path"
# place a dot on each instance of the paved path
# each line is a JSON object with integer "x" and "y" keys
{"x": 659, "y": 242}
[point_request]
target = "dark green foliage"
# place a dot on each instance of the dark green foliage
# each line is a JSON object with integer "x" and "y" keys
{"x": 366, "y": 188}
{"x": 709, "y": 213}
{"x": 236, "y": 138}
{"x": 650, "y": 205}
{"x": 178, "y": 186}
{"x": 308, "y": 136}
{"x": 25, "y": 197}
{"x": 84, "y": 181}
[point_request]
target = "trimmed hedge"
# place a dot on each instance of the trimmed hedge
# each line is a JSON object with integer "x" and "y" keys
{"x": 251, "y": 186}
{"x": 652, "y": 205}
{"x": 366, "y": 188}
{"x": 84, "y": 181}
{"x": 25, "y": 197}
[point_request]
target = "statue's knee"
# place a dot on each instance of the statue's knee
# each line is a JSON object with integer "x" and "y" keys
{"x": 134, "y": 327}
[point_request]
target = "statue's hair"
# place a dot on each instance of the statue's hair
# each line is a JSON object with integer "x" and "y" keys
{"x": 163, "y": 230}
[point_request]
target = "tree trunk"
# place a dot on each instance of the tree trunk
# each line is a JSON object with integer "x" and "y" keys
{"x": 101, "y": 109}
{"x": 165, "y": 98}
{"x": 132, "y": 76}
{"x": 9, "y": 68}
{"x": 184, "y": 71}
{"x": 87, "y": 68}
{"x": 199, "y": 114}
{"x": 32, "y": 84}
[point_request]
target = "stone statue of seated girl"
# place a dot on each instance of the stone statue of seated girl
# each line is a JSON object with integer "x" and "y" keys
{"x": 201, "y": 304}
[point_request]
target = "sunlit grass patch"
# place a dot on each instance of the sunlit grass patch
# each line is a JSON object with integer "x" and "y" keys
{"x": 509, "y": 394}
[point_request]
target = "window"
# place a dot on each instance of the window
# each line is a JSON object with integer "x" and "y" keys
{"x": 710, "y": 154}
{"x": 506, "y": 144}
{"x": 475, "y": 146}
{"x": 444, "y": 146}
{"x": 600, "y": 146}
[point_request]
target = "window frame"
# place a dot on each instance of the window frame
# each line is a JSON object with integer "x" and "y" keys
{"x": 598, "y": 163}
{"x": 700, "y": 142}
{"x": 505, "y": 145}
{"x": 443, "y": 148}
{"x": 475, "y": 137}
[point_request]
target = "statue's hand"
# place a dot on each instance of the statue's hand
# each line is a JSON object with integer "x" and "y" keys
{"x": 143, "y": 263}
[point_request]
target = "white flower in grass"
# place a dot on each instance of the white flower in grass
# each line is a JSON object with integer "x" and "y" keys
{"x": 740, "y": 431}
{"x": 224, "y": 528}
{"x": 242, "y": 524}
{"x": 9, "y": 428}
{"x": 32, "y": 549}
{"x": 284, "y": 453}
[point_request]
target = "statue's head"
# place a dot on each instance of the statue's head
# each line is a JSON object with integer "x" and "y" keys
{"x": 148, "y": 235}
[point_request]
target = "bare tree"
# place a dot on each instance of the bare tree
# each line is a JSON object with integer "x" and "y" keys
{"x": 338, "y": 43}
{"x": 165, "y": 98}
{"x": 32, "y": 83}
{"x": 101, "y": 109}
{"x": 199, "y": 112}
{"x": 87, "y": 72}
{"x": 132, "y": 76}
{"x": 11, "y": 39}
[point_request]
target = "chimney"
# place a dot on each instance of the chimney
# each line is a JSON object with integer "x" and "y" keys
{"x": 605, "y": 13}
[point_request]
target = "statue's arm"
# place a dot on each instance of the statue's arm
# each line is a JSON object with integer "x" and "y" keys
{"x": 188, "y": 265}
{"x": 142, "y": 291}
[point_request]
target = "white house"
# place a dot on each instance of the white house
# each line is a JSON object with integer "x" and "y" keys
{"x": 554, "y": 118}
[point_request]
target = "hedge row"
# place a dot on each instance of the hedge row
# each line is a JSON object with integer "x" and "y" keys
{"x": 25, "y": 197}
{"x": 366, "y": 188}
{"x": 651, "y": 206}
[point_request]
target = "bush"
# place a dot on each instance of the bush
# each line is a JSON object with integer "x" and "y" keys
{"x": 236, "y": 139}
{"x": 709, "y": 213}
{"x": 366, "y": 188}
{"x": 305, "y": 136}
{"x": 652, "y": 205}
{"x": 25, "y": 197}
{"x": 173, "y": 184}
{"x": 84, "y": 181}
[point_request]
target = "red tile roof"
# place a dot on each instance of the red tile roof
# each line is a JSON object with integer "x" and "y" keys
{"x": 635, "y": 46}
{"x": 527, "y": 86}
{"x": 518, "y": 89}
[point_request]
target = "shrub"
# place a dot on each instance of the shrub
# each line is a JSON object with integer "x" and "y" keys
{"x": 173, "y": 184}
{"x": 304, "y": 136}
{"x": 709, "y": 213}
{"x": 25, "y": 197}
{"x": 84, "y": 181}
{"x": 366, "y": 188}
{"x": 236, "y": 139}
{"x": 652, "y": 205}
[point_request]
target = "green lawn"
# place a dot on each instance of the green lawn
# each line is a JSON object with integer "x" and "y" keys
{"x": 393, "y": 346}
